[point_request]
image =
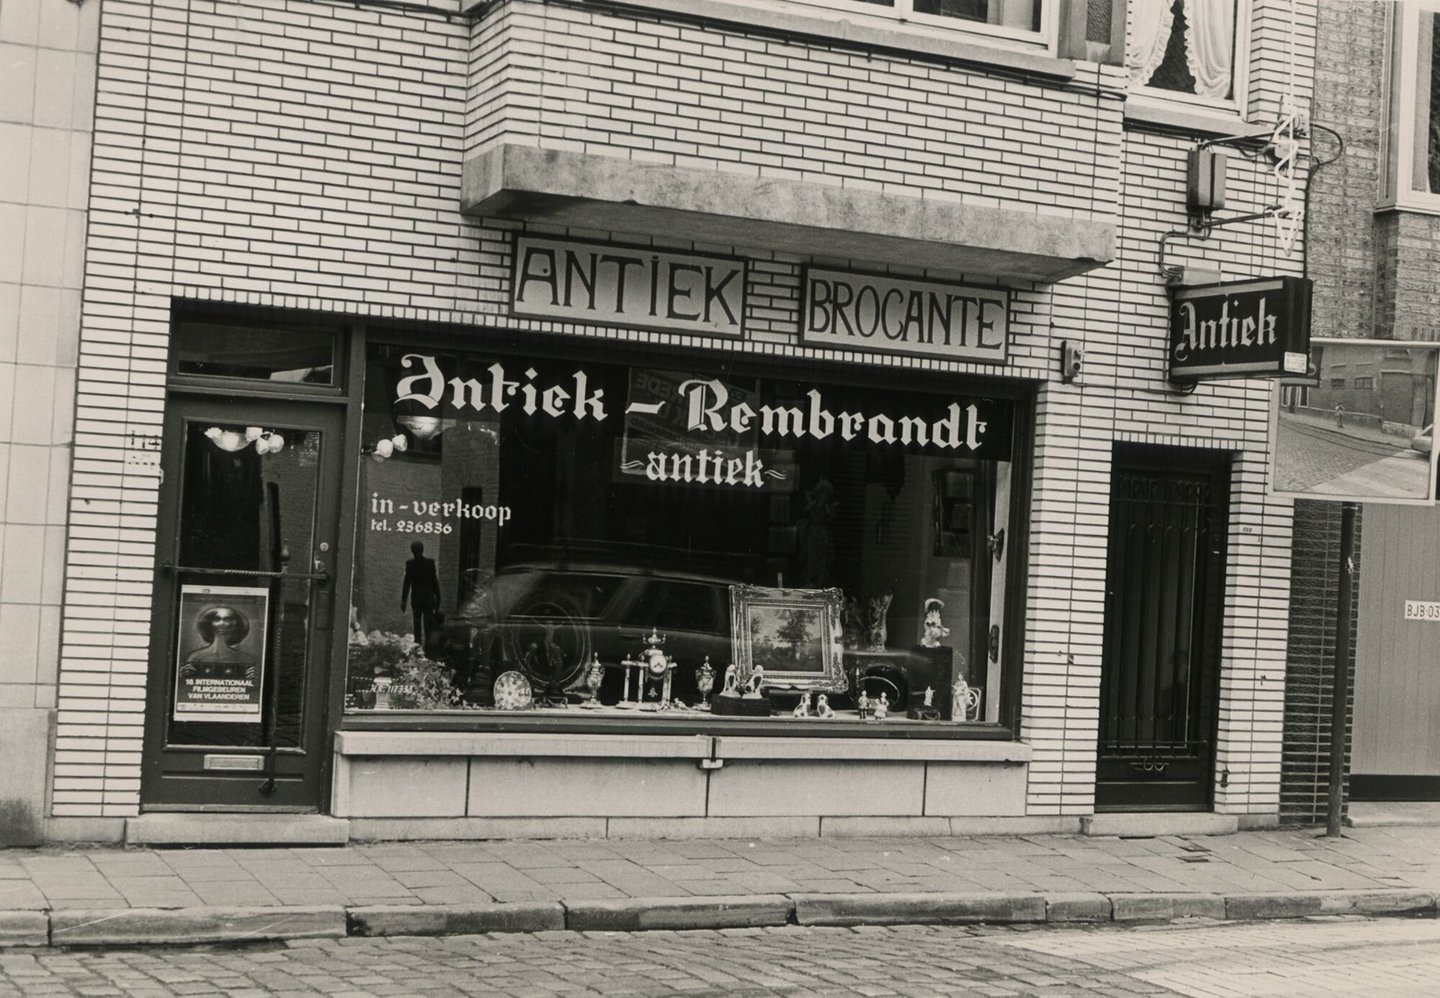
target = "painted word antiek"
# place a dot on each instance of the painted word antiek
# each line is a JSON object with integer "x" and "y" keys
{"x": 602, "y": 283}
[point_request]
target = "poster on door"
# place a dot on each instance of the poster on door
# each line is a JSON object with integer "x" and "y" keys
{"x": 220, "y": 656}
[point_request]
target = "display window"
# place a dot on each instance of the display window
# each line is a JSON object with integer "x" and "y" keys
{"x": 678, "y": 536}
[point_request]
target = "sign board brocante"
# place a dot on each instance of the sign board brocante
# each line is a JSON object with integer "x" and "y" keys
{"x": 853, "y": 311}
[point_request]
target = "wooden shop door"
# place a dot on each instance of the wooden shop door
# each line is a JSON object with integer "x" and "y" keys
{"x": 1165, "y": 581}
{"x": 245, "y": 606}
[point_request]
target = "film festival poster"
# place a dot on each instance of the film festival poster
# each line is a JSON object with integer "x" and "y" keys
{"x": 220, "y": 657}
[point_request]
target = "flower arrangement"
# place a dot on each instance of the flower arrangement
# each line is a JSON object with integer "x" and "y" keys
{"x": 393, "y": 664}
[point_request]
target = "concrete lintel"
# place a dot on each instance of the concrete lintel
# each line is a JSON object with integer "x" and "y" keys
{"x": 239, "y": 828}
{"x": 1147, "y": 824}
{"x": 788, "y": 216}
{"x": 635, "y": 745}
{"x": 875, "y": 749}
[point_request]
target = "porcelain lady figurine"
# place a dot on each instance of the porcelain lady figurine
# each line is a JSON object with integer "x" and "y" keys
{"x": 882, "y": 706}
{"x": 822, "y": 706}
{"x": 929, "y": 696}
{"x": 802, "y": 709}
{"x": 594, "y": 676}
{"x": 960, "y": 699}
{"x": 705, "y": 680}
{"x": 935, "y": 628}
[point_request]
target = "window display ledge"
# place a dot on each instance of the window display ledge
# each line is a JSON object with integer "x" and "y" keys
{"x": 469, "y": 743}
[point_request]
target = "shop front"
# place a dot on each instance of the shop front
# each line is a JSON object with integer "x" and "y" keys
{"x": 422, "y": 572}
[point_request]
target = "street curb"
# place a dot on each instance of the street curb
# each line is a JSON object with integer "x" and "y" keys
{"x": 917, "y": 909}
{"x": 639, "y": 914}
{"x": 182, "y": 926}
{"x": 455, "y": 919}
{"x": 171, "y": 926}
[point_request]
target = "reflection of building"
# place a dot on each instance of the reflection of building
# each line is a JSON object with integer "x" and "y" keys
{"x": 1372, "y": 260}
{"x": 452, "y": 252}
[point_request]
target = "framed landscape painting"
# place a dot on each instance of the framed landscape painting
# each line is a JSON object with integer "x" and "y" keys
{"x": 793, "y": 634}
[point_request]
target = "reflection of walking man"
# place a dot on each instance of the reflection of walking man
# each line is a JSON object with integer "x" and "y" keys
{"x": 422, "y": 589}
{"x": 1339, "y": 416}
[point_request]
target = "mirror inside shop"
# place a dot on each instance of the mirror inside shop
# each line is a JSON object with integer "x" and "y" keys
{"x": 674, "y": 540}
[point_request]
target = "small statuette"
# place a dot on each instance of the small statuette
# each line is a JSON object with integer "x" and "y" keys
{"x": 802, "y": 709}
{"x": 594, "y": 676}
{"x": 705, "y": 680}
{"x": 882, "y": 708}
{"x": 960, "y": 700}
{"x": 935, "y": 628}
{"x": 756, "y": 680}
{"x": 929, "y": 696}
{"x": 863, "y": 705}
{"x": 729, "y": 686}
{"x": 822, "y": 707}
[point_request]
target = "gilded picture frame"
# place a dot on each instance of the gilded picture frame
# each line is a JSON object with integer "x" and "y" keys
{"x": 793, "y": 634}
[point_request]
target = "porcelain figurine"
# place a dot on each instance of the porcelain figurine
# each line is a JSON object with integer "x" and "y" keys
{"x": 729, "y": 686}
{"x": 863, "y": 705}
{"x": 594, "y": 676}
{"x": 929, "y": 696}
{"x": 822, "y": 706}
{"x": 756, "y": 680}
{"x": 877, "y": 608}
{"x": 882, "y": 706}
{"x": 705, "y": 680}
{"x": 960, "y": 700}
{"x": 802, "y": 709}
{"x": 935, "y": 628}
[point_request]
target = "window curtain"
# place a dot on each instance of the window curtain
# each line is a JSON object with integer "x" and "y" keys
{"x": 1150, "y": 25}
{"x": 1210, "y": 45}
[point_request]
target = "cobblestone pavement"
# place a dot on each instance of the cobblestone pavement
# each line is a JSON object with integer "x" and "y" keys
{"x": 570, "y": 870}
{"x": 1323, "y": 957}
{"x": 1311, "y": 455}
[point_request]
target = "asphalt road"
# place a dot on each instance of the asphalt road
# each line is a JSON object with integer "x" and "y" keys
{"x": 1381, "y": 957}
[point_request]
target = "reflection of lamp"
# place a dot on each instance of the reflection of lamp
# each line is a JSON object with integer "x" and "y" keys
{"x": 384, "y": 449}
{"x": 423, "y": 427}
{"x": 230, "y": 441}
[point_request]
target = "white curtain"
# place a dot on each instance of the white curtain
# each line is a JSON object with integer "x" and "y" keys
{"x": 1209, "y": 44}
{"x": 1150, "y": 24}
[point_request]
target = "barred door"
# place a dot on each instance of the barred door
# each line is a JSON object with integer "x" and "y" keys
{"x": 1165, "y": 579}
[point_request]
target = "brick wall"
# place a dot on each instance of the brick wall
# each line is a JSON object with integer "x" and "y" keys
{"x": 302, "y": 154}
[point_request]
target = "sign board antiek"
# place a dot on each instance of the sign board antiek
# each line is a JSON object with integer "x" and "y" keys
{"x": 898, "y": 315}
{"x": 627, "y": 286}
{"x": 1243, "y": 329}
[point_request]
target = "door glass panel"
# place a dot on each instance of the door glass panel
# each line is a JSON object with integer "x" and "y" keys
{"x": 304, "y": 356}
{"x": 247, "y": 511}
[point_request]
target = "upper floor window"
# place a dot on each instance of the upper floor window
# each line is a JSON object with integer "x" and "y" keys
{"x": 1188, "y": 50}
{"x": 1412, "y": 142}
{"x": 1021, "y": 20}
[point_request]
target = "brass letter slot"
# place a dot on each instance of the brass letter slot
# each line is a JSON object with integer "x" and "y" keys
{"x": 236, "y": 763}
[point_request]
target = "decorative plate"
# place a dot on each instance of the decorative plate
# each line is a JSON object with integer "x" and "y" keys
{"x": 512, "y": 691}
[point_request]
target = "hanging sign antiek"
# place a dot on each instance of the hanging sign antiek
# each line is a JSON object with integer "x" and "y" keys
{"x": 627, "y": 286}
{"x": 851, "y": 311}
{"x": 1244, "y": 329}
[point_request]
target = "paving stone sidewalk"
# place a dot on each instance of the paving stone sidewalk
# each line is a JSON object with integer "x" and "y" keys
{"x": 553, "y": 883}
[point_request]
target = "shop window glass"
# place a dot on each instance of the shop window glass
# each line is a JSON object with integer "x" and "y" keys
{"x": 528, "y": 525}
{"x": 1184, "y": 47}
{"x": 263, "y": 353}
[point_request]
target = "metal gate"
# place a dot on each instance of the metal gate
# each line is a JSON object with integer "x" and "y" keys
{"x": 1165, "y": 579}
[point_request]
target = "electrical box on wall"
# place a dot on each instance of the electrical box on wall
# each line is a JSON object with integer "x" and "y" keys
{"x": 1205, "y": 181}
{"x": 1071, "y": 357}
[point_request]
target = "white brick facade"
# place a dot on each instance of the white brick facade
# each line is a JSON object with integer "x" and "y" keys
{"x": 309, "y": 155}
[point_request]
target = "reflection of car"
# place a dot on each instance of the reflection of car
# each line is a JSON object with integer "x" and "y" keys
{"x": 1423, "y": 440}
{"x": 550, "y": 621}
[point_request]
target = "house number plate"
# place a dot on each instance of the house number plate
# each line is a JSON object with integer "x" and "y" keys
{"x": 1422, "y": 610}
